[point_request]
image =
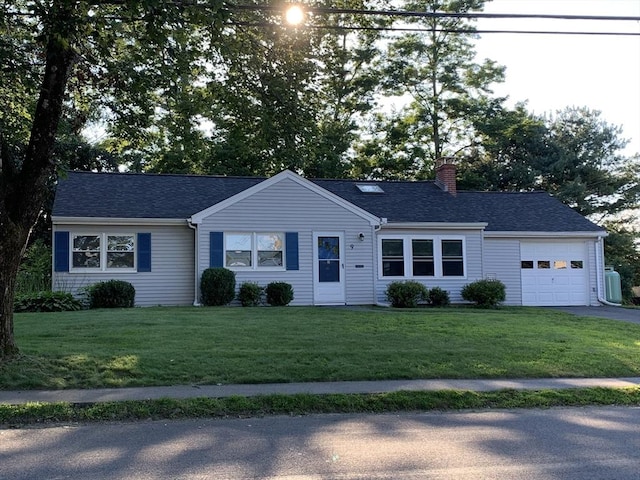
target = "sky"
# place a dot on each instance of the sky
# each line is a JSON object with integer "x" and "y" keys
{"x": 552, "y": 72}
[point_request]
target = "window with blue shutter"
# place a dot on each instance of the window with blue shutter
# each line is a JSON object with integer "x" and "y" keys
{"x": 216, "y": 249}
{"x": 61, "y": 252}
{"x": 144, "y": 252}
{"x": 291, "y": 246}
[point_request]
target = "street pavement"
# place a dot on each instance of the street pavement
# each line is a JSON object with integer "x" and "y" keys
{"x": 586, "y": 443}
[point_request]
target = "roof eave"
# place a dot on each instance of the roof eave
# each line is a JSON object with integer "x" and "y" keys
{"x": 435, "y": 225}
{"x": 525, "y": 234}
{"x": 106, "y": 221}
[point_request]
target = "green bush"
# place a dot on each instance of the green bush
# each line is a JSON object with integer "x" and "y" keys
{"x": 406, "y": 294}
{"x": 217, "y": 286}
{"x": 111, "y": 294}
{"x": 34, "y": 274}
{"x": 438, "y": 297}
{"x": 279, "y": 294}
{"x": 250, "y": 294}
{"x": 46, "y": 301}
{"x": 484, "y": 293}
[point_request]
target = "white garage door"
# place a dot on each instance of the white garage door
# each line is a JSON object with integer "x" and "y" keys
{"x": 554, "y": 273}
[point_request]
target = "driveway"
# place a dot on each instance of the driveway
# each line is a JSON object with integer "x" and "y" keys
{"x": 605, "y": 311}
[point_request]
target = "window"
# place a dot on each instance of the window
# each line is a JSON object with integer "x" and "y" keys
{"x": 254, "y": 250}
{"x": 526, "y": 264}
{"x": 423, "y": 263}
{"x": 452, "y": 258}
{"x": 420, "y": 256}
{"x": 560, "y": 264}
{"x": 103, "y": 252}
{"x": 86, "y": 251}
{"x": 238, "y": 251}
{"x": 544, "y": 264}
{"x": 576, "y": 264}
{"x": 120, "y": 251}
{"x": 369, "y": 188}
{"x": 392, "y": 258}
{"x": 270, "y": 249}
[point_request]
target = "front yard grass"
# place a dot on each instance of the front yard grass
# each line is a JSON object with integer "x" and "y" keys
{"x": 167, "y": 346}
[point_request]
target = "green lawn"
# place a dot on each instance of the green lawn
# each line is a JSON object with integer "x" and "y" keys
{"x": 165, "y": 346}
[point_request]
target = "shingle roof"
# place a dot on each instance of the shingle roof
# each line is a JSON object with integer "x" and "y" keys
{"x": 126, "y": 195}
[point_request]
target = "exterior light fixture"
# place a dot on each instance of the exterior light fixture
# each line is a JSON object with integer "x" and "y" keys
{"x": 361, "y": 237}
{"x": 294, "y": 14}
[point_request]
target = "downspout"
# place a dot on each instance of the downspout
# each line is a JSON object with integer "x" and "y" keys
{"x": 196, "y": 254}
{"x": 600, "y": 272}
{"x": 376, "y": 229}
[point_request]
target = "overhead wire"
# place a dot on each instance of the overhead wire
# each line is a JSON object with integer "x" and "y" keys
{"x": 322, "y": 11}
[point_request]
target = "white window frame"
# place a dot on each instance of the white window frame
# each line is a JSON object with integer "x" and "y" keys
{"x": 408, "y": 256}
{"x": 103, "y": 252}
{"x": 254, "y": 252}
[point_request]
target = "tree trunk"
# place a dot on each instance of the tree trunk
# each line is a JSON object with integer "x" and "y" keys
{"x": 23, "y": 189}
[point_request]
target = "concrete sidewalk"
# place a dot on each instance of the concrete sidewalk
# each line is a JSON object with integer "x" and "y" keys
{"x": 221, "y": 391}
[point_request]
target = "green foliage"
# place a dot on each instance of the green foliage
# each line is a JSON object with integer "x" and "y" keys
{"x": 575, "y": 155}
{"x": 406, "y": 294}
{"x": 111, "y": 294}
{"x": 437, "y": 69}
{"x": 250, "y": 294}
{"x": 34, "y": 274}
{"x": 484, "y": 293}
{"x": 304, "y": 404}
{"x": 46, "y": 301}
{"x": 217, "y": 286}
{"x": 438, "y": 297}
{"x": 279, "y": 294}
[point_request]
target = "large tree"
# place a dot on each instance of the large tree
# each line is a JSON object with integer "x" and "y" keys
{"x": 574, "y": 155}
{"x": 42, "y": 45}
{"x": 435, "y": 68}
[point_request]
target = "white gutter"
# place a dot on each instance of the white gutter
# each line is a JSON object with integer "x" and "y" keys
{"x": 117, "y": 221}
{"x": 434, "y": 225}
{"x": 545, "y": 235}
{"x": 600, "y": 273}
{"x": 196, "y": 255}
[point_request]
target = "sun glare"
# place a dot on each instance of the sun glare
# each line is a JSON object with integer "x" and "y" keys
{"x": 294, "y": 15}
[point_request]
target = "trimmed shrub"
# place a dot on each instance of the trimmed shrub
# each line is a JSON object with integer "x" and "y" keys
{"x": 250, "y": 294}
{"x": 46, "y": 301}
{"x": 279, "y": 294}
{"x": 406, "y": 294}
{"x": 217, "y": 286}
{"x": 484, "y": 293}
{"x": 111, "y": 294}
{"x": 438, "y": 297}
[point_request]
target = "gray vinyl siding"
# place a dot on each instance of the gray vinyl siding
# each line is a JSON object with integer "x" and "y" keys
{"x": 290, "y": 207}
{"x": 171, "y": 279}
{"x": 502, "y": 261}
{"x": 473, "y": 262}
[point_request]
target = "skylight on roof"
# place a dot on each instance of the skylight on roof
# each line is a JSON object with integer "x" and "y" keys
{"x": 369, "y": 188}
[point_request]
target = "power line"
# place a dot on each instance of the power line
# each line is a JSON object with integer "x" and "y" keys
{"x": 405, "y": 13}
{"x": 425, "y": 30}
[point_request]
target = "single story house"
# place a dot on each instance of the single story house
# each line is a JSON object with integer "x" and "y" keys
{"x": 335, "y": 241}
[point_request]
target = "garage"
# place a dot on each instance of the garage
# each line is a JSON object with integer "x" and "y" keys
{"x": 554, "y": 273}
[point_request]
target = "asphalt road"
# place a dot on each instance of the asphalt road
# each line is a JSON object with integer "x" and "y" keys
{"x": 567, "y": 444}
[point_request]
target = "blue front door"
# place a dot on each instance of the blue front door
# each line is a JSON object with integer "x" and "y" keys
{"x": 329, "y": 268}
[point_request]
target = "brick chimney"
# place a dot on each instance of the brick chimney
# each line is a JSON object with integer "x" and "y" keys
{"x": 446, "y": 175}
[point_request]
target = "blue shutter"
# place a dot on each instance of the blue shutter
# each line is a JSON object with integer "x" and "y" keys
{"x": 216, "y": 249}
{"x": 61, "y": 253}
{"x": 144, "y": 252}
{"x": 291, "y": 246}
